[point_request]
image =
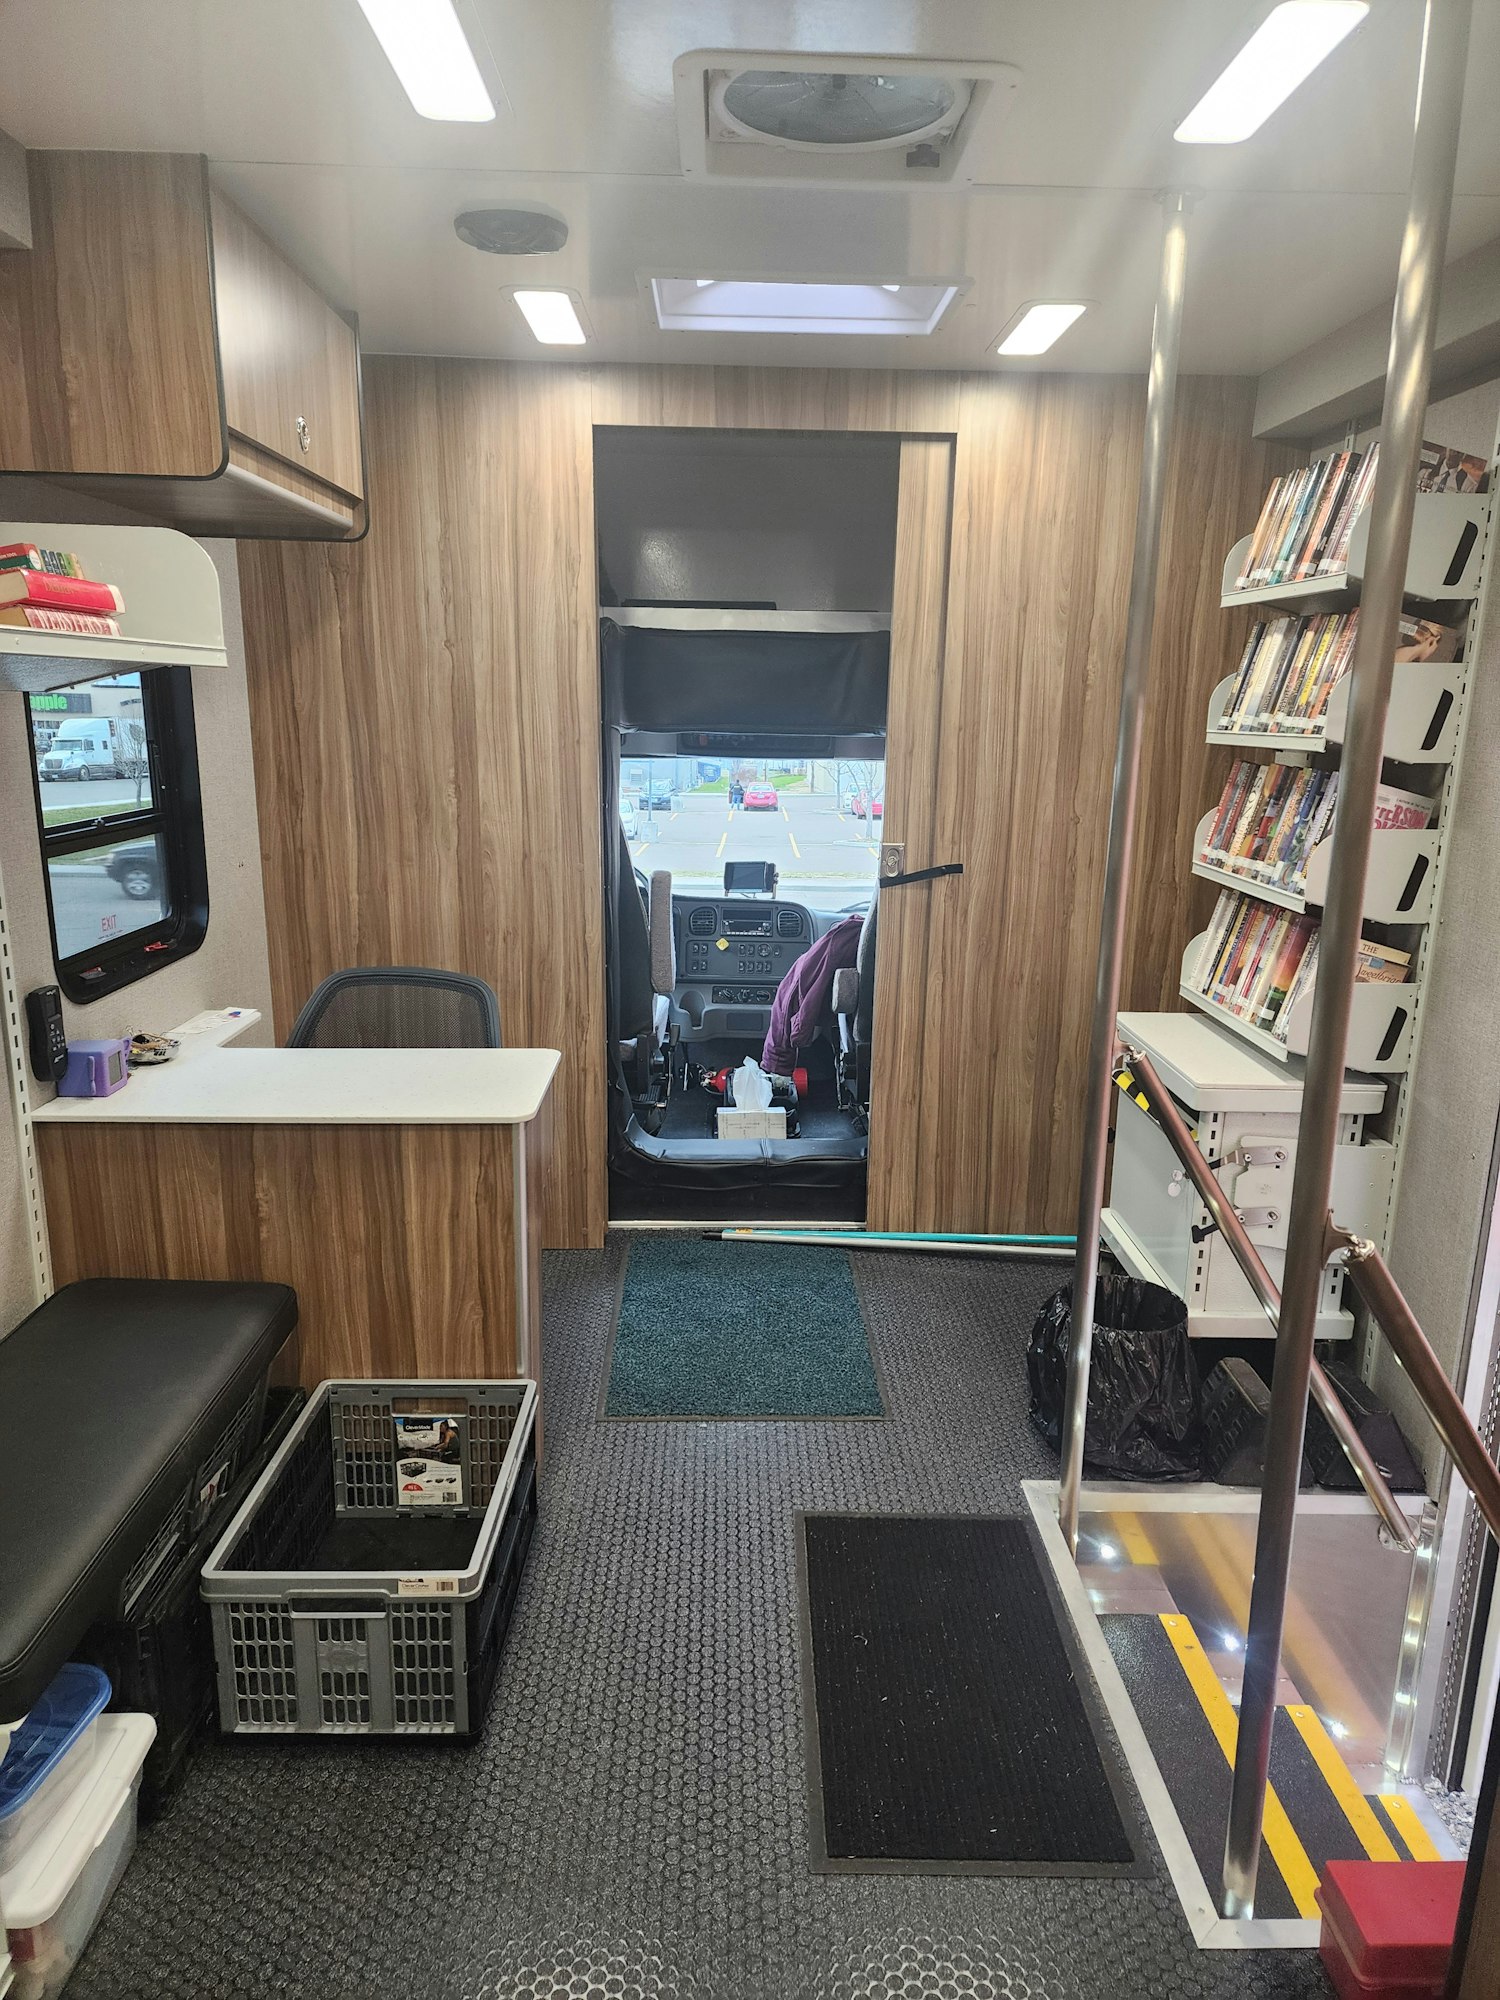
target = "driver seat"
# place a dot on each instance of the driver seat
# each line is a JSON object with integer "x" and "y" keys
{"x": 854, "y": 1010}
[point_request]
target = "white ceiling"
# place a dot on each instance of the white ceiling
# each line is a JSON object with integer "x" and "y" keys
{"x": 293, "y": 102}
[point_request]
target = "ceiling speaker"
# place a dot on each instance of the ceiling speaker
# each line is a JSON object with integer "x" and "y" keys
{"x": 511, "y": 232}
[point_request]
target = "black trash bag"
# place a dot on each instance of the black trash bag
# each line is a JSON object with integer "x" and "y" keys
{"x": 1144, "y": 1388}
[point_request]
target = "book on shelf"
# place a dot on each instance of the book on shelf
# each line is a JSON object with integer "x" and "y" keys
{"x": 1291, "y": 664}
{"x": 26, "y": 555}
{"x": 1270, "y": 817}
{"x": 1308, "y": 515}
{"x": 58, "y": 593}
{"x": 49, "y": 618}
{"x": 1249, "y": 959}
{"x": 1382, "y": 963}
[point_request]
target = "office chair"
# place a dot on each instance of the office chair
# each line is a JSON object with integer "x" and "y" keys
{"x": 398, "y": 1007}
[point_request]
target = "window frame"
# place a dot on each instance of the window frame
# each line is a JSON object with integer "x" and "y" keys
{"x": 174, "y": 817}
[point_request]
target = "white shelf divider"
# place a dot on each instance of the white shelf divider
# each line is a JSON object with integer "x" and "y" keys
{"x": 172, "y": 615}
{"x": 1443, "y": 566}
{"x": 1380, "y": 1022}
{"x": 1398, "y": 888}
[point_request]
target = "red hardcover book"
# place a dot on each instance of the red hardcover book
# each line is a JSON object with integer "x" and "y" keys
{"x": 58, "y": 593}
{"x": 47, "y": 618}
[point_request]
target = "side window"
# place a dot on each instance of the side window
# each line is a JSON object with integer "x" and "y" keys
{"x": 121, "y": 821}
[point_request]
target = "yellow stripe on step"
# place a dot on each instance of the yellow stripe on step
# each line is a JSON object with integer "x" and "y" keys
{"x": 1419, "y": 1842}
{"x": 1285, "y": 1849}
{"x": 1355, "y": 1807}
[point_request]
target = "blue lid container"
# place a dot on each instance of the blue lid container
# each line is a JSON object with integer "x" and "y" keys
{"x": 39, "y": 1744}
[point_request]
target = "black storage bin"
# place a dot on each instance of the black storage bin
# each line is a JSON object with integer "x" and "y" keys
{"x": 1144, "y": 1389}
{"x": 160, "y": 1656}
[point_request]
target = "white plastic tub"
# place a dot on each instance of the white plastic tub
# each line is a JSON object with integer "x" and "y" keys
{"x": 47, "y": 1758}
{"x": 53, "y": 1898}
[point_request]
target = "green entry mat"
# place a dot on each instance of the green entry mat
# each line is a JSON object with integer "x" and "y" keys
{"x": 714, "y": 1329}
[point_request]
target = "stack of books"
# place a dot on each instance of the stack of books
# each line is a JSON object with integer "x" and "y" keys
{"x": 1291, "y": 665}
{"x": 1308, "y": 516}
{"x": 47, "y": 590}
{"x": 1251, "y": 961}
{"x": 1270, "y": 817}
{"x": 1257, "y": 962}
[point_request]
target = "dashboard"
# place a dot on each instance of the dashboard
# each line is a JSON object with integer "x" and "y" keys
{"x": 731, "y": 957}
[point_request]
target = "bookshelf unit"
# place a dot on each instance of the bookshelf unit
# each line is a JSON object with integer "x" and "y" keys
{"x": 1219, "y": 1066}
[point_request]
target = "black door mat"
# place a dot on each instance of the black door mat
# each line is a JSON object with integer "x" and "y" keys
{"x": 948, "y": 1726}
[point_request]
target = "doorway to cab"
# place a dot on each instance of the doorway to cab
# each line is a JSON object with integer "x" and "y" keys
{"x": 746, "y": 584}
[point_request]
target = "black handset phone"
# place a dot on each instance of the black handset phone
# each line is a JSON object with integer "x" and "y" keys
{"x": 49, "y": 1045}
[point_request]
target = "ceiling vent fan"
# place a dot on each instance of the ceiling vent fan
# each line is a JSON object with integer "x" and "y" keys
{"x": 882, "y": 120}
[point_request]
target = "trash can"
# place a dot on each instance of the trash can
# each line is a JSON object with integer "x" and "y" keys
{"x": 1144, "y": 1389}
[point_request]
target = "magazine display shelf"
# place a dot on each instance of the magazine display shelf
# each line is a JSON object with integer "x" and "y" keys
{"x": 1380, "y": 1021}
{"x": 1443, "y": 567}
{"x": 1398, "y": 888}
{"x": 1421, "y": 728}
{"x": 172, "y": 615}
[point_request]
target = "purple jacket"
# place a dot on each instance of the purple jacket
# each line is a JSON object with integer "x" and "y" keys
{"x": 802, "y": 997}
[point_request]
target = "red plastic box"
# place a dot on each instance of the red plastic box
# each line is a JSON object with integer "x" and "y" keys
{"x": 1388, "y": 1927}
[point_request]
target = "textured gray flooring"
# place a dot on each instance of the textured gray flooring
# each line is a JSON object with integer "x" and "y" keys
{"x": 633, "y": 1825}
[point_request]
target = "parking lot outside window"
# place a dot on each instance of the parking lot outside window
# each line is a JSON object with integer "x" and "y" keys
{"x": 119, "y": 813}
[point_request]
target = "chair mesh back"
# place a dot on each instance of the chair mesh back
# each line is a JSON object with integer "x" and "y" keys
{"x": 398, "y": 1007}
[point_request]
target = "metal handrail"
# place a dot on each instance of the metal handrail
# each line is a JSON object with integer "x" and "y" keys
{"x": 1163, "y": 1108}
{"x": 1371, "y": 1277}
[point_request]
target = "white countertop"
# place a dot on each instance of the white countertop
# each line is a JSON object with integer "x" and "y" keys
{"x": 1208, "y": 1068}
{"x": 229, "y": 1086}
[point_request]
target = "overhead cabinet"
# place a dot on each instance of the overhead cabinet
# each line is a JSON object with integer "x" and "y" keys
{"x": 165, "y": 355}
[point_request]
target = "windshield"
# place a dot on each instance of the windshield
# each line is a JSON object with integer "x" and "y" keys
{"x": 818, "y": 820}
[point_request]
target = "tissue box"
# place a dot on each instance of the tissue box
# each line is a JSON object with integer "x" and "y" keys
{"x": 737, "y": 1124}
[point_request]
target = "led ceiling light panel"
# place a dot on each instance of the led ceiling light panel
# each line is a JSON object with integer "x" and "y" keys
{"x": 1037, "y": 326}
{"x": 801, "y": 305}
{"x": 1284, "y": 51}
{"x": 552, "y": 316}
{"x": 427, "y": 48}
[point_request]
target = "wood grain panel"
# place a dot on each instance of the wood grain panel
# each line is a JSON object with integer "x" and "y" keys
{"x": 116, "y": 310}
{"x": 399, "y": 1240}
{"x": 777, "y": 399}
{"x": 285, "y": 354}
{"x": 919, "y": 618}
{"x": 424, "y": 706}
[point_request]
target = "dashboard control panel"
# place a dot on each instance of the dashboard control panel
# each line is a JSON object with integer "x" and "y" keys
{"x": 753, "y": 941}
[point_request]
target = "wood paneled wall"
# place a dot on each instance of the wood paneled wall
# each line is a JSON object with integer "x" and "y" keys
{"x": 401, "y": 1241}
{"x": 425, "y": 712}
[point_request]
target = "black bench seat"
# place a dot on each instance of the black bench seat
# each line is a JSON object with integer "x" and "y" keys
{"x": 112, "y": 1396}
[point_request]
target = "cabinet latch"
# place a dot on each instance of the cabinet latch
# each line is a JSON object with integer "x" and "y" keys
{"x": 304, "y": 435}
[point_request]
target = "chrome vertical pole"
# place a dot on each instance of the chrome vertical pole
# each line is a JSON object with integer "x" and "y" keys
{"x": 1440, "y": 87}
{"x": 1161, "y": 392}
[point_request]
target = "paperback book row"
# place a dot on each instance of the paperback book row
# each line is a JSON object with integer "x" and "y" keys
{"x": 1270, "y": 817}
{"x": 1257, "y": 962}
{"x": 1291, "y": 665}
{"x": 47, "y": 590}
{"x": 1309, "y": 515}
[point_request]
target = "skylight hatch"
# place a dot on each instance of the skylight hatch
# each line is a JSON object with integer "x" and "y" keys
{"x": 801, "y": 305}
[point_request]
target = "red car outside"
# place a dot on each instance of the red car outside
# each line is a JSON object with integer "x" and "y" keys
{"x": 760, "y": 798}
{"x": 863, "y": 807}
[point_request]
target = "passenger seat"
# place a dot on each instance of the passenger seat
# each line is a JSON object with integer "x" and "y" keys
{"x": 854, "y": 1009}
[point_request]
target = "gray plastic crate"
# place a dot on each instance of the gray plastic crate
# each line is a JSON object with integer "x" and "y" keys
{"x": 372, "y": 1651}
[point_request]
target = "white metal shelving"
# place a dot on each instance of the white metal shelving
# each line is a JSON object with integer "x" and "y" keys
{"x": 1380, "y": 1024}
{"x": 1443, "y": 567}
{"x": 1398, "y": 888}
{"x": 1421, "y": 728}
{"x": 172, "y": 615}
